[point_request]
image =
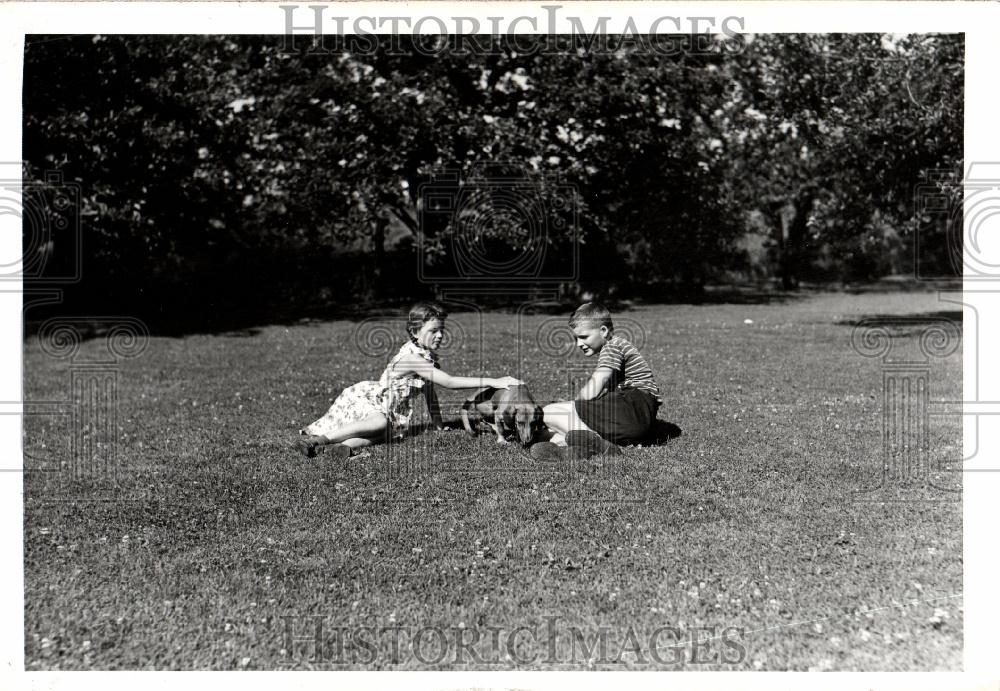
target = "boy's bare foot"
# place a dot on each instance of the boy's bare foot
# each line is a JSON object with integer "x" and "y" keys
{"x": 339, "y": 452}
{"x": 591, "y": 444}
{"x": 308, "y": 445}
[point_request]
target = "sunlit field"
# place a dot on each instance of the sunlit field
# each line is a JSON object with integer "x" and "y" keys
{"x": 773, "y": 533}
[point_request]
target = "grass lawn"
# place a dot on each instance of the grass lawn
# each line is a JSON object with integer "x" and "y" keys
{"x": 744, "y": 543}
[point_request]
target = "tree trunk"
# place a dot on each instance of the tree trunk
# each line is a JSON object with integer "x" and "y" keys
{"x": 791, "y": 234}
{"x": 378, "y": 240}
{"x": 795, "y": 243}
{"x": 780, "y": 224}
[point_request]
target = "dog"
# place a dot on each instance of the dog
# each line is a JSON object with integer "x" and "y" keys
{"x": 511, "y": 410}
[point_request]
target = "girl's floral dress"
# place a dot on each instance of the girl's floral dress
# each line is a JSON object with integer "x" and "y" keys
{"x": 391, "y": 395}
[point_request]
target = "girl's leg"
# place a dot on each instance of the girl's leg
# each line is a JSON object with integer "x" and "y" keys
{"x": 345, "y": 449}
{"x": 346, "y": 439}
{"x": 357, "y": 442}
{"x": 360, "y": 433}
{"x": 308, "y": 445}
{"x": 371, "y": 427}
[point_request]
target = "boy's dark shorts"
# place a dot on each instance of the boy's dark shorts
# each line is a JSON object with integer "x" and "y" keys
{"x": 624, "y": 415}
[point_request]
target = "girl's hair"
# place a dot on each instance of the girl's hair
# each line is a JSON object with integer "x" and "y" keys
{"x": 591, "y": 313}
{"x": 423, "y": 312}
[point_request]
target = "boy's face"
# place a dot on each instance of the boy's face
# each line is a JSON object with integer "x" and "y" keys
{"x": 590, "y": 337}
{"x": 431, "y": 334}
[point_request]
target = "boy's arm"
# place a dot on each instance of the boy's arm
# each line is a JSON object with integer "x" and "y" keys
{"x": 595, "y": 386}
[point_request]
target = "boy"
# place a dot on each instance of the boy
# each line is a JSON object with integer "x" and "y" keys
{"x": 618, "y": 403}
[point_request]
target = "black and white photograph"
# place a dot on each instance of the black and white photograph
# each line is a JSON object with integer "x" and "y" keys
{"x": 459, "y": 338}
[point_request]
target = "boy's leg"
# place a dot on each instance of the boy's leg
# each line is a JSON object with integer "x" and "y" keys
{"x": 623, "y": 417}
{"x": 604, "y": 415}
{"x": 561, "y": 417}
{"x": 590, "y": 443}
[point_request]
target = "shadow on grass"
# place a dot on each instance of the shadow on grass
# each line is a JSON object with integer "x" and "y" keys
{"x": 248, "y": 321}
{"x": 906, "y": 322}
{"x": 234, "y": 324}
{"x": 663, "y": 432}
{"x": 739, "y": 295}
{"x": 251, "y": 322}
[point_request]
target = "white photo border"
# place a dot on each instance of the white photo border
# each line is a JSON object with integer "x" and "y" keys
{"x": 978, "y": 21}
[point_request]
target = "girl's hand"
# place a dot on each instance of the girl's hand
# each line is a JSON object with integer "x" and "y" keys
{"x": 507, "y": 382}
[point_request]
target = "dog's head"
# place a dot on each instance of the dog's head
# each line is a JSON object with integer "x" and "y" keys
{"x": 529, "y": 422}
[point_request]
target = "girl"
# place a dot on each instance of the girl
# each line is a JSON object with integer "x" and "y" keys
{"x": 370, "y": 411}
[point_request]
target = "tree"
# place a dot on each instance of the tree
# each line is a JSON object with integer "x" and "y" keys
{"x": 830, "y": 132}
{"x": 233, "y": 170}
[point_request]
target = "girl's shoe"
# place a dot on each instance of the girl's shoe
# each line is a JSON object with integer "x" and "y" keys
{"x": 308, "y": 445}
{"x": 339, "y": 452}
{"x": 591, "y": 444}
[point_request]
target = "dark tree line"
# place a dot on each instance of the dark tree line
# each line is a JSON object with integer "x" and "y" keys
{"x": 220, "y": 173}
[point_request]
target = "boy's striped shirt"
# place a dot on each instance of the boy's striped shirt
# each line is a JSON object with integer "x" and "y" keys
{"x": 630, "y": 368}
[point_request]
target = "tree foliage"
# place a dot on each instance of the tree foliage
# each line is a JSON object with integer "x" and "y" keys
{"x": 234, "y": 165}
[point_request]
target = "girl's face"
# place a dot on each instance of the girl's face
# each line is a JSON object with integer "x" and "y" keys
{"x": 430, "y": 334}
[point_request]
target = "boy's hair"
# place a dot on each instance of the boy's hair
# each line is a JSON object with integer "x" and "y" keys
{"x": 423, "y": 312}
{"x": 591, "y": 313}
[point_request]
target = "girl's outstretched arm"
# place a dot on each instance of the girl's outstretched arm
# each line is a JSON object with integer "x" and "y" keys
{"x": 449, "y": 381}
{"x": 427, "y": 371}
